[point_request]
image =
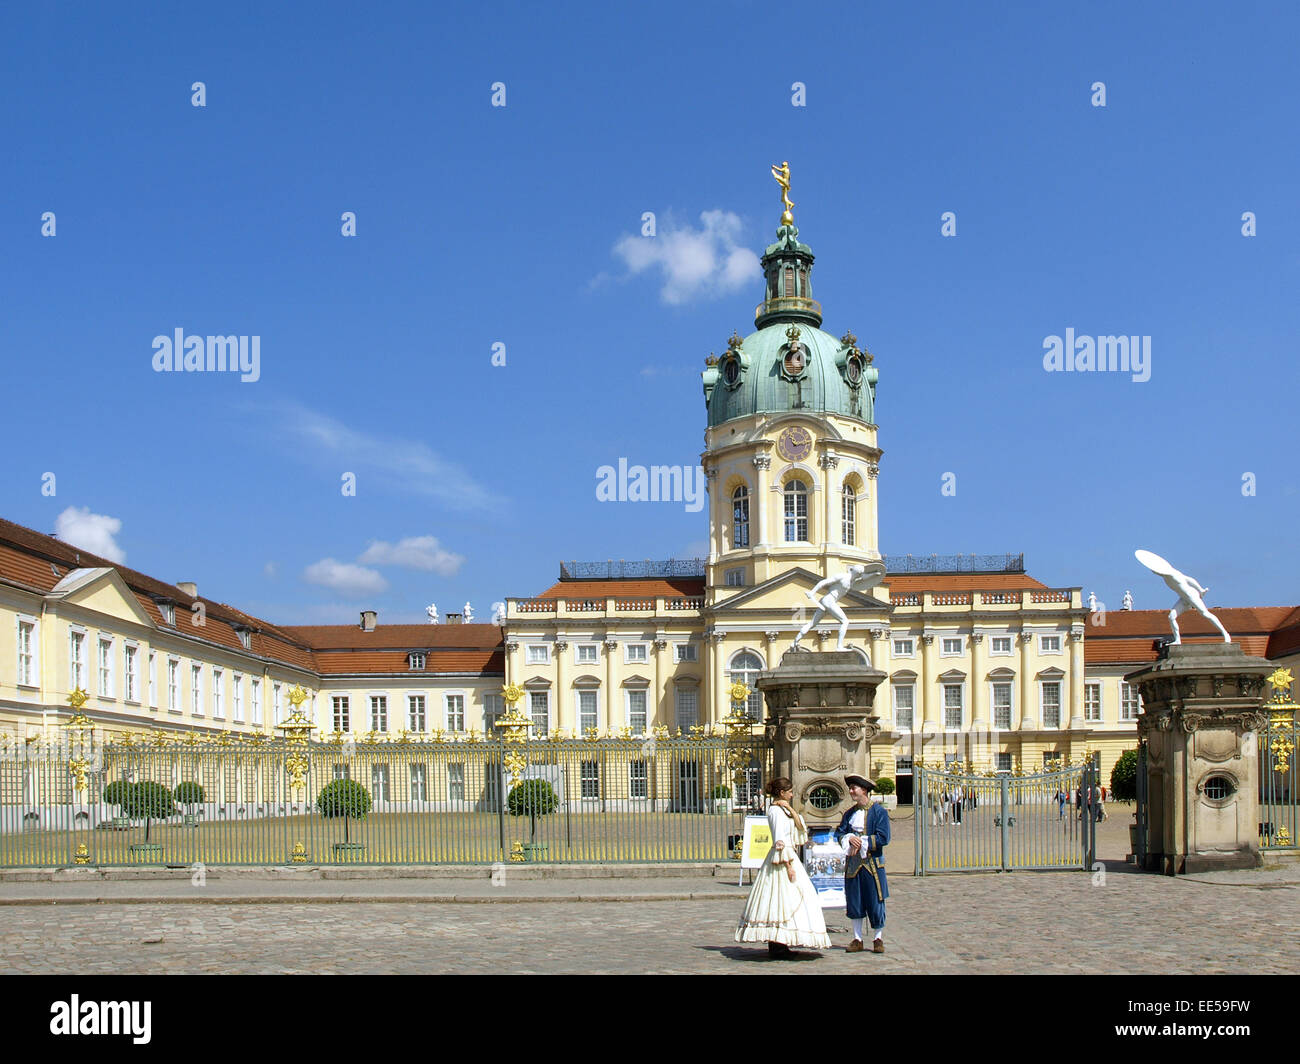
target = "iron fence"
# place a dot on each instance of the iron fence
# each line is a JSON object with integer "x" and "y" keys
{"x": 1279, "y": 819}
{"x": 971, "y": 823}
{"x": 232, "y": 803}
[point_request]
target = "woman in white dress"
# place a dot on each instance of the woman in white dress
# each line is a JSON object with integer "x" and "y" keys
{"x": 783, "y": 909}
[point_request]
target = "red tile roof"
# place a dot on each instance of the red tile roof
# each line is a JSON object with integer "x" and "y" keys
{"x": 1128, "y": 636}
{"x": 394, "y": 662}
{"x": 397, "y": 636}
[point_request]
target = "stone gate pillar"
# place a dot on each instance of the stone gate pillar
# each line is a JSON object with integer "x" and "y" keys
{"x": 1201, "y": 712}
{"x": 820, "y": 723}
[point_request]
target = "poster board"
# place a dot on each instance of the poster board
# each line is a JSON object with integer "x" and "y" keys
{"x": 824, "y": 862}
{"x": 756, "y": 842}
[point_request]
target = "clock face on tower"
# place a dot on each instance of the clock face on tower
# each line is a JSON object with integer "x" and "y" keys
{"x": 794, "y": 444}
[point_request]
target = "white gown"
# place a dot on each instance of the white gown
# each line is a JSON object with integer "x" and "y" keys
{"x": 778, "y": 910}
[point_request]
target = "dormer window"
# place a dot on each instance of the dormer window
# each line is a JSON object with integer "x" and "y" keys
{"x": 245, "y": 636}
{"x": 415, "y": 660}
{"x": 168, "y": 611}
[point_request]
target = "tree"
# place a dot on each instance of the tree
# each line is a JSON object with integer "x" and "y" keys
{"x": 345, "y": 798}
{"x": 884, "y": 785}
{"x": 1123, "y": 777}
{"x": 189, "y": 793}
{"x": 532, "y": 798}
{"x": 148, "y": 801}
{"x": 116, "y": 792}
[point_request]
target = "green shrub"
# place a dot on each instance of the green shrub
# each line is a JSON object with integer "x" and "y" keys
{"x": 189, "y": 793}
{"x": 116, "y": 792}
{"x": 1124, "y": 776}
{"x": 148, "y": 801}
{"x": 721, "y": 791}
{"x": 532, "y": 798}
{"x": 345, "y": 798}
{"x": 884, "y": 785}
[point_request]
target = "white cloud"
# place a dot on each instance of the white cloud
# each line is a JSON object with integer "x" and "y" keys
{"x": 695, "y": 263}
{"x": 407, "y": 465}
{"x": 344, "y": 577}
{"x": 269, "y": 570}
{"x": 92, "y": 532}
{"x": 414, "y": 552}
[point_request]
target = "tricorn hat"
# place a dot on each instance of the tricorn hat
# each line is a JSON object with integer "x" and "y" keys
{"x": 860, "y": 781}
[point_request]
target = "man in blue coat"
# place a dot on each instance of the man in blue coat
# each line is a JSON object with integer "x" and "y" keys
{"x": 863, "y": 835}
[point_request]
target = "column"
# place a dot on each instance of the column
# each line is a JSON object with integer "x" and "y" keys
{"x": 1028, "y": 709}
{"x": 1076, "y": 676}
{"x": 611, "y": 662}
{"x": 873, "y": 542}
{"x": 831, "y": 531}
{"x": 758, "y": 504}
{"x": 565, "y": 713}
{"x": 719, "y": 698}
{"x": 978, "y": 706}
{"x": 654, "y": 706}
{"x": 928, "y": 707}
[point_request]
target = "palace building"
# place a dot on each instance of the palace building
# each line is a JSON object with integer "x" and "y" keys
{"x": 985, "y": 664}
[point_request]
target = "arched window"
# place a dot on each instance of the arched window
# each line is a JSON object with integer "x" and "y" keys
{"x": 745, "y": 668}
{"x": 849, "y": 513}
{"x": 740, "y": 517}
{"x": 796, "y": 511}
{"x": 789, "y": 281}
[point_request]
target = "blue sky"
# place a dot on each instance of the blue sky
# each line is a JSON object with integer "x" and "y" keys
{"x": 479, "y": 225}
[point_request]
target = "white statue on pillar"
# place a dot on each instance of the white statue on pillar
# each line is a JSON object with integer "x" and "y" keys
{"x": 498, "y": 613}
{"x": 1189, "y": 593}
{"x": 827, "y": 593}
{"x": 469, "y": 613}
{"x": 1092, "y": 602}
{"x": 1128, "y": 600}
{"x": 431, "y": 611}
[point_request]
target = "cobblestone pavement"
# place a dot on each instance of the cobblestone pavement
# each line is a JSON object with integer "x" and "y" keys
{"x": 1018, "y": 923}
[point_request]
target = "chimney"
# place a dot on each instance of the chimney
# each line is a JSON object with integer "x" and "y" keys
{"x": 454, "y": 618}
{"x": 368, "y": 620}
{"x": 189, "y": 588}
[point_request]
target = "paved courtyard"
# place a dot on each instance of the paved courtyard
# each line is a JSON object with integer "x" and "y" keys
{"x": 989, "y": 923}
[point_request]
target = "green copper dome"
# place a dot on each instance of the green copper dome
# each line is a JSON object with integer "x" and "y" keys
{"x": 790, "y": 363}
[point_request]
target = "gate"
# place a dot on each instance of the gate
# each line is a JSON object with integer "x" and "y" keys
{"x": 1142, "y": 839}
{"x": 234, "y": 800}
{"x": 1277, "y": 769}
{"x": 973, "y": 823}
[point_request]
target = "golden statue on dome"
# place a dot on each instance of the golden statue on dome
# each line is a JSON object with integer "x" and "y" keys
{"x": 782, "y": 175}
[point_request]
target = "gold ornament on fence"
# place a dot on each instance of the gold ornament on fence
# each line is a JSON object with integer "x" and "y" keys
{"x": 297, "y": 733}
{"x": 82, "y": 856}
{"x": 299, "y": 853}
{"x": 77, "y": 766}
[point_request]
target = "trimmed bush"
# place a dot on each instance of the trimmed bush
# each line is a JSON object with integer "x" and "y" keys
{"x": 721, "y": 791}
{"x": 116, "y": 792}
{"x": 1124, "y": 777}
{"x": 532, "y": 798}
{"x": 189, "y": 793}
{"x": 148, "y": 801}
{"x": 884, "y": 785}
{"x": 345, "y": 798}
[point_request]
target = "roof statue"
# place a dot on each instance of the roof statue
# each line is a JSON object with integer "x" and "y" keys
{"x": 469, "y": 613}
{"x": 432, "y": 611}
{"x": 1188, "y": 590}
{"x": 1092, "y": 601}
{"x": 498, "y": 613}
{"x": 782, "y": 175}
{"x": 1128, "y": 600}
{"x": 827, "y": 593}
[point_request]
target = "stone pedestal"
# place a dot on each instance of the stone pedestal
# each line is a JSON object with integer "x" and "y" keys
{"x": 1201, "y": 707}
{"x": 820, "y": 722}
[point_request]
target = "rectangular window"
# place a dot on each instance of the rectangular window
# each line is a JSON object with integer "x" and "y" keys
{"x": 342, "y": 772}
{"x": 687, "y": 652}
{"x": 1000, "y": 645}
{"x": 77, "y": 660}
{"x": 415, "y": 718}
{"x": 153, "y": 680}
{"x": 904, "y": 648}
{"x": 636, "y": 712}
{"x": 540, "y": 710}
{"x": 26, "y": 653}
{"x": 419, "y": 783}
{"x": 586, "y": 711}
{"x": 106, "y": 689}
{"x": 417, "y": 661}
{"x": 379, "y": 713}
{"x": 848, "y": 515}
{"x": 1003, "y": 762}
{"x": 342, "y": 715}
{"x": 456, "y": 781}
{"x": 131, "y": 674}
{"x": 904, "y": 706}
{"x": 218, "y": 694}
{"x": 173, "y": 684}
{"x": 587, "y": 653}
{"x": 1002, "y": 706}
{"x": 1130, "y": 703}
{"x": 952, "y": 706}
{"x": 379, "y": 782}
{"x": 688, "y": 708}
{"x": 638, "y": 780}
{"x": 277, "y": 707}
{"x": 590, "y": 776}
{"x": 796, "y": 513}
{"x": 539, "y": 654}
{"x": 196, "y": 690}
{"x": 455, "y": 713}
{"x": 740, "y": 518}
{"x": 636, "y": 652}
{"x": 238, "y": 696}
{"x": 1051, "y": 759}
{"x": 494, "y": 706}
{"x": 950, "y": 647}
{"x": 1049, "y": 644}
{"x": 735, "y": 578}
{"x": 1092, "y": 701}
{"x": 257, "y": 702}
{"x": 1051, "y": 704}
